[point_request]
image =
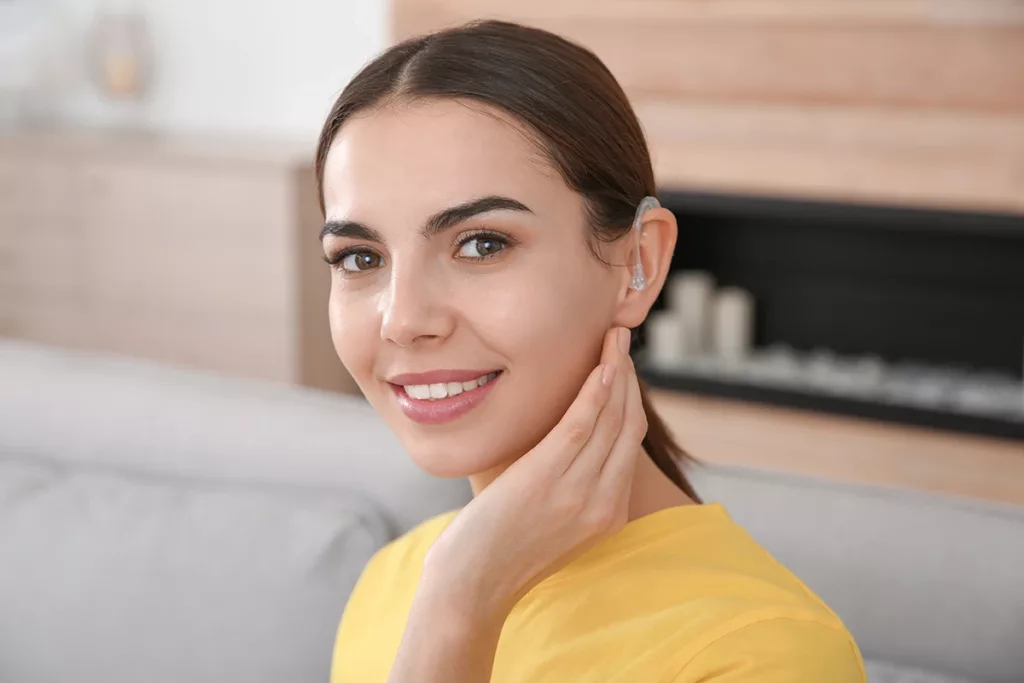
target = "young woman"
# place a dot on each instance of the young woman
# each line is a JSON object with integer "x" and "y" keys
{"x": 479, "y": 186}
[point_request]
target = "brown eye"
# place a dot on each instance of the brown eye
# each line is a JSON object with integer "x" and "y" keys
{"x": 482, "y": 246}
{"x": 360, "y": 261}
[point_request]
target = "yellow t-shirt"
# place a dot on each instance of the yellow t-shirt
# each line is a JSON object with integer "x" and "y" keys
{"x": 681, "y": 595}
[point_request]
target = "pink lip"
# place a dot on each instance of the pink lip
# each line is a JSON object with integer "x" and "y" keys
{"x": 443, "y": 409}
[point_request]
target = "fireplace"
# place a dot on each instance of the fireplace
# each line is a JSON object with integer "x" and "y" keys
{"x": 895, "y": 314}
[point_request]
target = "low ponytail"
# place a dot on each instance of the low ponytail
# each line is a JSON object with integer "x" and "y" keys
{"x": 662, "y": 448}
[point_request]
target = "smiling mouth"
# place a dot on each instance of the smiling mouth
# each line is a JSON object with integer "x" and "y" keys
{"x": 443, "y": 402}
{"x": 442, "y": 390}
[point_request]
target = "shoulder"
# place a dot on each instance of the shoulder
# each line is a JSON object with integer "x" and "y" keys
{"x": 776, "y": 647}
{"x": 762, "y": 623}
{"x": 738, "y": 614}
{"x": 748, "y": 580}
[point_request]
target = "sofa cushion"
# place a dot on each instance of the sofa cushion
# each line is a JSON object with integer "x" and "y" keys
{"x": 108, "y": 576}
{"x": 921, "y": 580}
{"x": 883, "y": 672}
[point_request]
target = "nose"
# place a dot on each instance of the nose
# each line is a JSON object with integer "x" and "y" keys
{"x": 415, "y": 309}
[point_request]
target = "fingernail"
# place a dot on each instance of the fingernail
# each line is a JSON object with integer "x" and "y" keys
{"x": 607, "y": 374}
{"x": 624, "y": 340}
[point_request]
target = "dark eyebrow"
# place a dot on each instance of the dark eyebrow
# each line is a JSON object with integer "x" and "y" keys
{"x": 437, "y": 223}
{"x": 356, "y": 231}
{"x": 454, "y": 215}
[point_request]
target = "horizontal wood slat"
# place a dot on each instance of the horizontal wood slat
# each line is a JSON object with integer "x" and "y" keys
{"x": 927, "y": 158}
{"x": 915, "y": 66}
{"x": 892, "y": 101}
{"x": 913, "y": 12}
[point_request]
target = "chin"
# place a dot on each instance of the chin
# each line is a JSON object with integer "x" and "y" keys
{"x": 480, "y": 441}
{"x": 441, "y": 458}
{"x": 446, "y": 451}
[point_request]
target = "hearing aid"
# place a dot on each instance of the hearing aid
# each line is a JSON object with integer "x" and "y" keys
{"x": 639, "y": 281}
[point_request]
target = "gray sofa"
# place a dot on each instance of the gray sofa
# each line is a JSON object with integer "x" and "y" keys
{"x": 158, "y": 524}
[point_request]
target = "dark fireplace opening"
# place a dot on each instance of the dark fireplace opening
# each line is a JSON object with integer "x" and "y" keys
{"x": 930, "y": 302}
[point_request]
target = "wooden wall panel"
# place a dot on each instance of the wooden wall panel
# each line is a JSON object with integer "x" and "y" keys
{"x": 930, "y": 157}
{"x": 906, "y": 101}
{"x": 976, "y": 67}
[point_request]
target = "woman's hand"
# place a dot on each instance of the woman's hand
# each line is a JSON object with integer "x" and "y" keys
{"x": 568, "y": 492}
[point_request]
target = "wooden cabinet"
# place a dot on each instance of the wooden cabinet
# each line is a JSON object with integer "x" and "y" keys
{"x": 739, "y": 434}
{"x": 178, "y": 250}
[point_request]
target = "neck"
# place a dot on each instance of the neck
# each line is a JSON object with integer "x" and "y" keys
{"x": 651, "y": 490}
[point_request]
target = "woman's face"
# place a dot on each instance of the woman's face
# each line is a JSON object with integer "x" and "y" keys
{"x": 459, "y": 256}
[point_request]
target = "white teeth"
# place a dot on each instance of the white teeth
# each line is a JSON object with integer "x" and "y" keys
{"x": 418, "y": 391}
{"x": 429, "y": 392}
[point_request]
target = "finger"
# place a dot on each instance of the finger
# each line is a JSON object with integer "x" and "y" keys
{"x": 592, "y": 455}
{"x": 618, "y": 468}
{"x": 573, "y": 431}
{"x": 609, "y": 422}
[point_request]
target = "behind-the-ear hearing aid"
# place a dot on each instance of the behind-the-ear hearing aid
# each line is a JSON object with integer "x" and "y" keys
{"x": 639, "y": 281}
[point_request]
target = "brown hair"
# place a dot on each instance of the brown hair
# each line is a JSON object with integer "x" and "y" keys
{"x": 567, "y": 99}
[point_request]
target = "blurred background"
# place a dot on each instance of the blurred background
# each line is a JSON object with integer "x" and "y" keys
{"x": 217, "y": 67}
{"x": 849, "y": 178}
{"x": 847, "y": 297}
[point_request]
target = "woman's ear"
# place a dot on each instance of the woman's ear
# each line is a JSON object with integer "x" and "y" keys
{"x": 658, "y": 233}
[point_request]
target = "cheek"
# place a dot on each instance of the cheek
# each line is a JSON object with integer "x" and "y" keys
{"x": 550, "y": 313}
{"x": 550, "y": 330}
{"x": 354, "y": 327}
{"x": 540, "y": 323}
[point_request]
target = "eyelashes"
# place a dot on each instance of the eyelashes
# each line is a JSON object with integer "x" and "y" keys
{"x": 474, "y": 246}
{"x": 355, "y": 260}
{"x": 488, "y": 244}
{"x": 335, "y": 258}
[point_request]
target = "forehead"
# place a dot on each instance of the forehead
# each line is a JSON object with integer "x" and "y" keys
{"x": 414, "y": 158}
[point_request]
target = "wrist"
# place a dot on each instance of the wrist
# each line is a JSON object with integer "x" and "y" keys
{"x": 444, "y": 641}
{"x": 461, "y": 601}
